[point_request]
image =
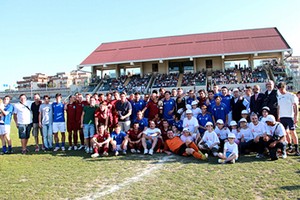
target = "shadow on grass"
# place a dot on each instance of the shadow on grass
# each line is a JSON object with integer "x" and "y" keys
{"x": 291, "y": 187}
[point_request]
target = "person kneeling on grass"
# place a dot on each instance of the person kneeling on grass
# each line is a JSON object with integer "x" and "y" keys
{"x": 210, "y": 140}
{"x": 177, "y": 146}
{"x": 119, "y": 140}
{"x": 231, "y": 152}
{"x": 150, "y": 135}
{"x": 101, "y": 141}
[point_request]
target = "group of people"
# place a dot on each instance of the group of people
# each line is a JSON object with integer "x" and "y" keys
{"x": 217, "y": 122}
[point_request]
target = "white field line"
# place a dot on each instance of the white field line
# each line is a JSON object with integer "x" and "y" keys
{"x": 139, "y": 177}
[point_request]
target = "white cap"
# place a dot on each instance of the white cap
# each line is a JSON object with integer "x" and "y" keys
{"x": 188, "y": 112}
{"x": 244, "y": 112}
{"x": 194, "y": 103}
{"x": 235, "y": 90}
{"x": 209, "y": 124}
{"x": 188, "y": 107}
{"x": 186, "y": 129}
{"x": 231, "y": 135}
{"x": 266, "y": 108}
{"x": 233, "y": 123}
{"x": 243, "y": 120}
{"x": 220, "y": 121}
{"x": 270, "y": 118}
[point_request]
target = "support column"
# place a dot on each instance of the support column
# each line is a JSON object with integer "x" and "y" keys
{"x": 223, "y": 63}
{"x": 251, "y": 62}
{"x": 195, "y": 65}
{"x": 142, "y": 69}
{"x": 117, "y": 71}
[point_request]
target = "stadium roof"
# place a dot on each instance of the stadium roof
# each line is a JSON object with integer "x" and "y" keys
{"x": 264, "y": 40}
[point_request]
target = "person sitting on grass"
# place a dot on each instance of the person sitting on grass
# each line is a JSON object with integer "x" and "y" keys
{"x": 175, "y": 145}
{"x": 275, "y": 138}
{"x": 210, "y": 141}
{"x": 135, "y": 139}
{"x": 143, "y": 122}
{"x": 222, "y": 132}
{"x": 231, "y": 152}
{"x": 245, "y": 136}
{"x": 150, "y": 136}
{"x": 119, "y": 140}
{"x": 101, "y": 142}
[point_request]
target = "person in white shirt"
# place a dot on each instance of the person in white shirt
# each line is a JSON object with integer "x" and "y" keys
{"x": 222, "y": 132}
{"x": 275, "y": 138}
{"x": 186, "y": 136}
{"x": 150, "y": 135}
{"x": 233, "y": 127}
{"x": 288, "y": 115}
{"x": 191, "y": 123}
{"x": 245, "y": 136}
{"x": 231, "y": 152}
{"x": 210, "y": 140}
{"x": 195, "y": 109}
{"x": 264, "y": 113}
{"x": 23, "y": 120}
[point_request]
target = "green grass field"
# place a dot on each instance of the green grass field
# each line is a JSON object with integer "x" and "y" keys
{"x": 74, "y": 175}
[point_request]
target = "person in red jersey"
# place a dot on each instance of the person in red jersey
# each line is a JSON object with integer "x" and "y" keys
{"x": 100, "y": 142}
{"x": 86, "y": 102}
{"x": 134, "y": 138}
{"x": 102, "y": 115}
{"x": 113, "y": 110}
{"x": 153, "y": 108}
{"x": 79, "y": 109}
{"x": 71, "y": 123}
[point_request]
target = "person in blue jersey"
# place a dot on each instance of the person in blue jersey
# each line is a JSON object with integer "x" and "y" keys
{"x": 226, "y": 98}
{"x": 7, "y": 112}
{"x": 216, "y": 90}
{"x": 59, "y": 124}
{"x": 119, "y": 140}
{"x": 143, "y": 122}
{"x": 168, "y": 106}
{"x": 219, "y": 111}
{"x": 177, "y": 122}
{"x": 210, "y": 101}
{"x": 191, "y": 97}
{"x": 203, "y": 118}
{"x": 137, "y": 104}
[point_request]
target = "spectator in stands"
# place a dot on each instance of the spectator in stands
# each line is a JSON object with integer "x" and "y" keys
{"x": 256, "y": 100}
{"x": 70, "y": 108}
{"x": 288, "y": 115}
{"x": 36, "y": 130}
{"x": 219, "y": 111}
{"x": 45, "y": 122}
{"x": 271, "y": 99}
{"x": 59, "y": 124}
{"x": 23, "y": 120}
{"x": 238, "y": 103}
{"x": 7, "y": 111}
{"x": 124, "y": 110}
{"x": 168, "y": 106}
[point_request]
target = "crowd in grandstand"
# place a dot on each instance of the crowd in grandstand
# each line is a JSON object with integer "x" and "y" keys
{"x": 223, "y": 123}
{"x": 166, "y": 80}
{"x": 227, "y": 77}
{"x": 193, "y": 79}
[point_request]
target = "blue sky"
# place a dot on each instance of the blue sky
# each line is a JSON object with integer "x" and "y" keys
{"x": 55, "y": 36}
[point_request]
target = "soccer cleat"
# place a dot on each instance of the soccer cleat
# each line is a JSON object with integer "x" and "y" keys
{"x": 138, "y": 151}
{"x": 203, "y": 156}
{"x": 259, "y": 155}
{"x": 63, "y": 148}
{"x": 105, "y": 153}
{"x": 56, "y": 149}
{"x": 133, "y": 150}
{"x": 297, "y": 153}
{"x": 70, "y": 148}
{"x": 24, "y": 152}
{"x": 221, "y": 161}
{"x": 37, "y": 149}
{"x": 124, "y": 152}
{"x": 81, "y": 147}
{"x": 95, "y": 155}
{"x": 87, "y": 150}
{"x": 116, "y": 153}
{"x": 75, "y": 147}
{"x": 43, "y": 148}
{"x": 232, "y": 161}
{"x": 151, "y": 152}
{"x": 284, "y": 155}
{"x": 145, "y": 151}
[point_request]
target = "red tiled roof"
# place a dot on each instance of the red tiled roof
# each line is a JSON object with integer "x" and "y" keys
{"x": 197, "y": 45}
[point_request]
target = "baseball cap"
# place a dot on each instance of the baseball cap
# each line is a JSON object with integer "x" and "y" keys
{"x": 194, "y": 103}
{"x": 186, "y": 129}
{"x": 270, "y": 118}
{"x": 233, "y": 123}
{"x": 220, "y": 121}
{"x": 266, "y": 108}
{"x": 244, "y": 112}
{"x": 243, "y": 120}
{"x": 208, "y": 124}
{"x": 188, "y": 112}
{"x": 231, "y": 135}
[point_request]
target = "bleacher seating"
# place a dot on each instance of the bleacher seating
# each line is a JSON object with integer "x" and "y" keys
{"x": 194, "y": 79}
{"x": 257, "y": 75}
{"x": 111, "y": 84}
{"x": 229, "y": 76}
{"x": 166, "y": 80}
{"x": 138, "y": 84}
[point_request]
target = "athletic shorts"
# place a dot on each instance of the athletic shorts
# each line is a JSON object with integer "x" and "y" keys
{"x": 24, "y": 130}
{"x": 287, "y": 122}
{"x": 59, "y": 127}
{"x": 36, "y": 129}
{"x": 4, "y": 129}
{"x": 182, "y": 149}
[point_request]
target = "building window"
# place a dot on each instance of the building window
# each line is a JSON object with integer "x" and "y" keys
{"x": 208, "y": 64}
{"x": 155, "y": 67}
